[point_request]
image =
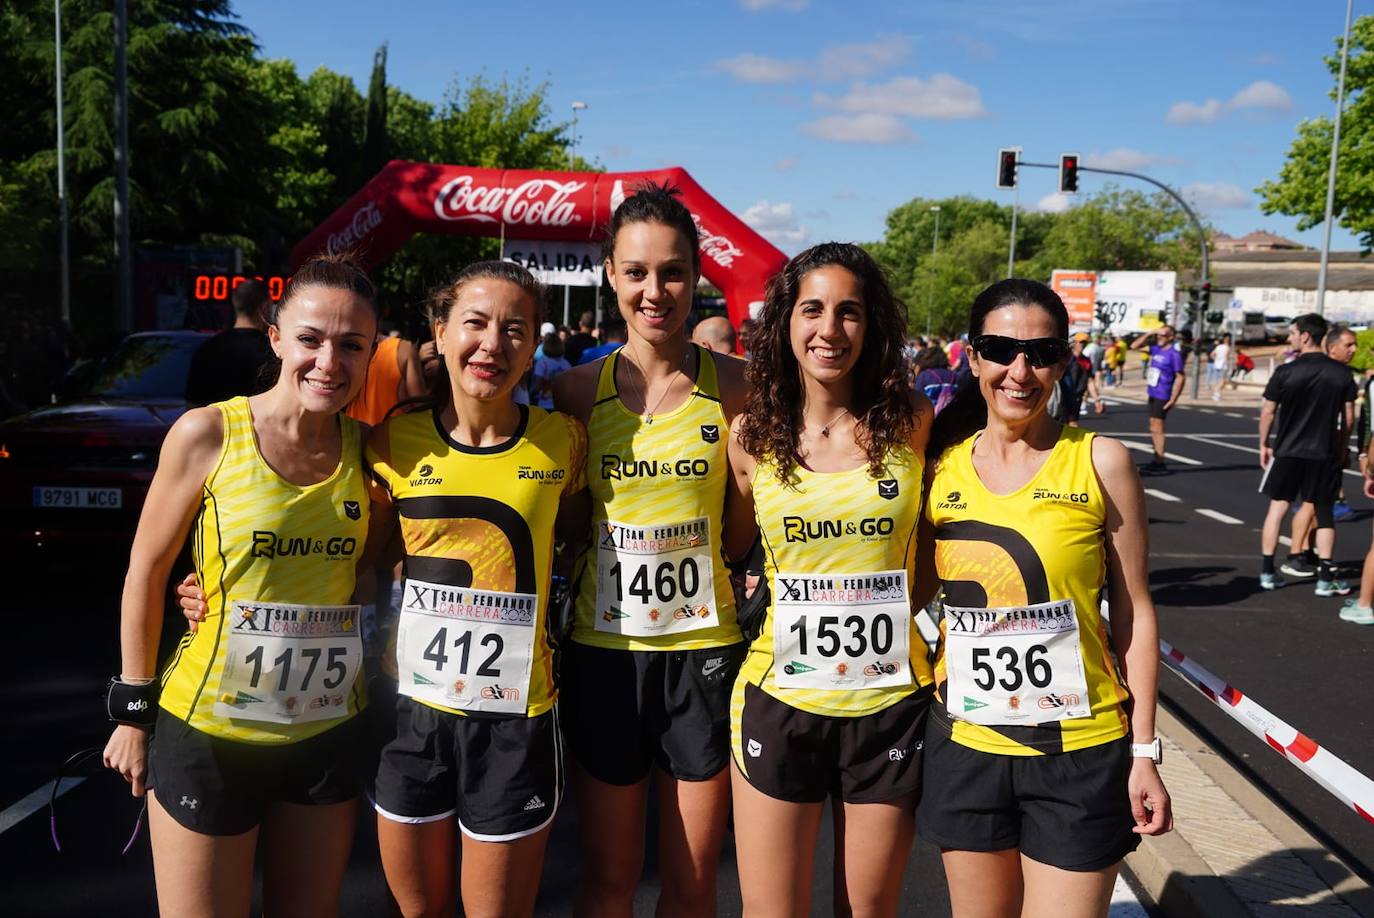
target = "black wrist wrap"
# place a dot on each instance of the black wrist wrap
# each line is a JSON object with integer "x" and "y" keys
{"x": 135, "y": 705}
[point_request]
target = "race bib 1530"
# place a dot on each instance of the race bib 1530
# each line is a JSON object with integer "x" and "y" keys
{"x": 841, "y": 631}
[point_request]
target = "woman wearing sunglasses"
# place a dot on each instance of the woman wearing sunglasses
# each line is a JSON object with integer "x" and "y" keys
{"x": 1040, "y": 751}
{"x": 832, "y": 699}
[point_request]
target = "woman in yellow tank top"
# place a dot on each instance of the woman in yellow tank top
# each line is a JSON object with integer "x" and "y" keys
{"x": 253, "y": 729}
{"x": 832, "y": 700}
{"x": 654, "y": 647}
{"x": 1040, "y": 751}
{"x": 478, "y": 483}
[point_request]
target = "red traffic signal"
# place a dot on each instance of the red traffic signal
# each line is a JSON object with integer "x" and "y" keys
{"x": 1068, "y": 173}
{"x": 1006, "y": 167}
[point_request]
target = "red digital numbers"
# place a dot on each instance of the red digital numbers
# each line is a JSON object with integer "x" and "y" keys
{"x": 219, "y": 286}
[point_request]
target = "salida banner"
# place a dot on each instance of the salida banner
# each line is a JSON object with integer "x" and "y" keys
{"x": 406, "y": 198}
{"x": 567, "y": 264}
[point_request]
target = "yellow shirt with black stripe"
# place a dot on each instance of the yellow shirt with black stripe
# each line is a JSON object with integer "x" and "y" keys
{"x": 260, "y": 538}
{"x": 842, "y": 523}
{"x": 483, "y": 517}
{"x": 1043, "y": 542}
{"x": 656, "y": 474}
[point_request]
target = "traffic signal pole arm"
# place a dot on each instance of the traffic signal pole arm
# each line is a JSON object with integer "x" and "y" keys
{"x": 1197, "y": 224}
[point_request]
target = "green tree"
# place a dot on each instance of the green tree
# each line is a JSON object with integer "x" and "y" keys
{"x": 375, "y": 145}
{"x": 1118, "y": 230}
{"x": 1300, "y": 189}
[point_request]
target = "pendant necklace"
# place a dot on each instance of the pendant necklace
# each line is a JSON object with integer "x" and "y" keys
{"x": 825, "y": 428}
{"x": 648, "y": 416}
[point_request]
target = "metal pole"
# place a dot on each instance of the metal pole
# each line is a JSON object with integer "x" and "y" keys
{"x": 62, "y": 176}
{"x": 934, "y": 250}
{"x": 1331, "y": 174}
{"x": 572, "y": 156}
{"x": 123, "y": 273}
{"x": 567, "y": 316}
{"x": 1011, "y": 252}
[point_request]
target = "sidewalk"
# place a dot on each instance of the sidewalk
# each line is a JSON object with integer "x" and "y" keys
{"x": 1132, "y": 389}
{"x": 1233, "y": 853}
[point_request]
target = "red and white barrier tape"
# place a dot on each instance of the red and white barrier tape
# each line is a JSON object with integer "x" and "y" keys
{"x": 1330, "y": 771}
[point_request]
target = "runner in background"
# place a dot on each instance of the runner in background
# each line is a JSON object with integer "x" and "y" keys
{"x": 254, "y": 741}
{"x": 826, "y": 464}
{"x": 646, "y": 675}
{"x": 393, "y": 375}
{"x": 716, "y": 334}
{"x": 548, "y": 366}
{"x": 1040, "y": 750}
{"x": 1219, "y": 369}
{"x": 1164, "y": 379}
{"x": 934, "y": 379}
{"x": 478, "y": 483}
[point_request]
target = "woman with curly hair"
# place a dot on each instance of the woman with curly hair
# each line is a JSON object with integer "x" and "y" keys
{"x": 654, "y": 648}
{"x": 831, "y": 701}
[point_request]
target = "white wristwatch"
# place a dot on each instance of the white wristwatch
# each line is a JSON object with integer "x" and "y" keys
{"x": 1153, "y": 750}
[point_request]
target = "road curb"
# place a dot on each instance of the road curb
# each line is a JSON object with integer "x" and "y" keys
{"x": 1181, "y": 882}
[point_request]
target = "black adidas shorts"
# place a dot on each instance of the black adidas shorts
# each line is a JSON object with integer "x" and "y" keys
{"x": 625, "y": 711}
{"x": 223, "y": 787}
{"x": 800, "y": 757}
{"x": 1068, "y": 809}
{"x": 502, "y": 776}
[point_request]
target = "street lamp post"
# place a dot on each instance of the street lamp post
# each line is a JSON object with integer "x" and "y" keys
{"x": 1331, "y": 174}
{"x": 572, "y": 157}
{"x": 62, "y": 174}
{"x": 934, "y": 250}
{"x": 572, "y": 164}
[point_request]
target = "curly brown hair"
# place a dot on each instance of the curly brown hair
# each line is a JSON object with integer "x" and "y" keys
{"x": 771, "y": 427}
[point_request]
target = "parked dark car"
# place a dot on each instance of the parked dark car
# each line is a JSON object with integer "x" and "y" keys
{"x": 75, "y": 474}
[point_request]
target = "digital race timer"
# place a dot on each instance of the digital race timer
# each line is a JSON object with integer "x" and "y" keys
{"x": 218, "y": 286}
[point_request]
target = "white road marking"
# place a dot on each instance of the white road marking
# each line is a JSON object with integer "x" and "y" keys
{"x": 1163, "y": 496}
{"x": 1124, "y": 902}
{"x": 35, "y": 801}
{"x": 1233, "y": 414}
{"x": 1219, "y": 516}
{"x": 1207, "y": 410}
{"x": 1145, "y": 447}
{"x": 1252, "y": 450}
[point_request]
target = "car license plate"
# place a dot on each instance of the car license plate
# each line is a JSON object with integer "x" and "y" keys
{"x": 79, "y": 498}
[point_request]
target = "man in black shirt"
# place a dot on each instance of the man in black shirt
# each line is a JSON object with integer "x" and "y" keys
{"x": 1314, "y": 400}
{"x": 580, "y": 340}
{"x": 229, "y": 364}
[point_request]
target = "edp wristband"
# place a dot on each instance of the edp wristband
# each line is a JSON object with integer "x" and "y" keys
{"x": 128, "y": 703}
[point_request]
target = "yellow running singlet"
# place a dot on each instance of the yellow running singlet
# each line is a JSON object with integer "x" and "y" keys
{"x": 260, "y": 539}
{"x": 824, "y": 541}
{"x": 481, "y": 519}
{"x": 654, "y": 575}
{"x": 1020, "y": 570}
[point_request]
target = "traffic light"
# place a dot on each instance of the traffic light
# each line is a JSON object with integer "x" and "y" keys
{"x": 1006, "y": 167}
{"x": 1068, "y": 173}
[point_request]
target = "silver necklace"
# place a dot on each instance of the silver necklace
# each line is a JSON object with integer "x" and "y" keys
{"x": 825, "y": 428}
{"x": 643, "y": 388}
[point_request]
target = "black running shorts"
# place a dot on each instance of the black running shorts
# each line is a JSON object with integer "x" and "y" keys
{"x": 1290, "y": 479}
{"x": 625, "y": 711}
{"x": 800, "y": 757}
{"x": 223, "y": 787}
{"x": 501, "y": 776}
{"x": 1157, "y": 409}
{"x": 1069, "y": 809}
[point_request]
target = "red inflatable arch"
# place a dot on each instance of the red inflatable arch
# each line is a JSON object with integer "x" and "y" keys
{"x": 407, "y": 198}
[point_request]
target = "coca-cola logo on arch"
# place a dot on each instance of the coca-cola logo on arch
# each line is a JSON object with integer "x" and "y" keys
{"x": 535, "y": 202}
{"x": 365, "y": 220}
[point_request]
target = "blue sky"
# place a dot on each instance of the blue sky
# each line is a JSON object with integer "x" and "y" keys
{"x": 813, "y": 118}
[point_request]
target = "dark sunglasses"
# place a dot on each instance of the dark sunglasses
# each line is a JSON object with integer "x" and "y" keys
{"x": 1040, "y": 352}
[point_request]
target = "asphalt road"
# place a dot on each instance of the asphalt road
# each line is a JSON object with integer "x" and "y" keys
{"x": 1286, "y": 649}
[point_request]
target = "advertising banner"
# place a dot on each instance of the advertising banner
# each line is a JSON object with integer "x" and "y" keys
{"x": 564, "y": 264}
{"x": 1078, "y": 290}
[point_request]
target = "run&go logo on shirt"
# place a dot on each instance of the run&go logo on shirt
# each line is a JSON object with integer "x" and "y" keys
{"x": 615, "y": 468}
{"x": 268, "y": 544}
{"x": 800, "y": 529}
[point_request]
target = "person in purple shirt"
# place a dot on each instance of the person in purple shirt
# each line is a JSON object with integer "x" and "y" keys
{"x": 1163, "y": 384}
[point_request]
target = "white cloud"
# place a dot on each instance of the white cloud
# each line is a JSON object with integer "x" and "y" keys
{"x": 1263, "y": 94}
{"x": 837, "y": 62}
{"x": 1125, "y": 159}
{"x": 1192, "y": 113}
{"x": 1260, "y": 95}
{"x": 786, "y": 164}
{"x": 975, "y": 48}
{"x": 1054, "y": 203}
{"x": 778, "y": 224}
{"x": 942, "y": 96}
{"x": 869, "y": 127}
{"x": 1217, "y": 195}
{"x": 760, "y": 6}
{"x": 846, "y": 194}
